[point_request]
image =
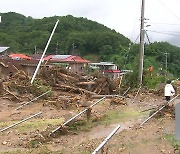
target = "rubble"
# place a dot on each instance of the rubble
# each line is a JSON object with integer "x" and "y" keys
{"x": 18, "y": 87}
{"x": 167, "y": 111}
{"x": 118, "y": 101}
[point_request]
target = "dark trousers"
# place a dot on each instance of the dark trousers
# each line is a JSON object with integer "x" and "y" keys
{"x": 167, "y": 98}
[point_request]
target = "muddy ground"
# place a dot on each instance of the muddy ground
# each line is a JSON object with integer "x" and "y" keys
{"x": 83, "y": 136}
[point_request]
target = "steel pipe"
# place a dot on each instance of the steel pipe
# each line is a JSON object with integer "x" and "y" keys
{"x": 136, "y": 94}
{"x": 157, "y": 111}
{"x": 126, "y": 91}
{"x": 106, "y": 140}
{"x": 76, "y": 115}
{"x": 32, "y": 100}
{"x": 40, "y": 61}
{"x": 20, "y": 121}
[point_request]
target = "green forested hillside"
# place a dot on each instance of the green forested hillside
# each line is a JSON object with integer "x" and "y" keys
{"x": 22, "y": 34}
{"x": 84, "y": 37}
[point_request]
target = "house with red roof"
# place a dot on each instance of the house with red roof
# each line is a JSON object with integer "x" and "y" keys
{"x": 73, "y": 63}
{"x": 15, "y": 62}
{"x": 17, "y": 56}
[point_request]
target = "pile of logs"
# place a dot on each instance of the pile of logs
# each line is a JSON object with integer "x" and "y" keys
{"x": 56, "y": 79}
{"x": 19, "y": 88}
{"x": 61, "y": 79}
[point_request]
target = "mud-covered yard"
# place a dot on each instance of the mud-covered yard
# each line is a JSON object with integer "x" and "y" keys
{"x": 82, "y": 135}
{"x": 63, "y": 95}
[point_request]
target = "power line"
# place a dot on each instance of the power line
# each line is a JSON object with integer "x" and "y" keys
{"x": 169, "y": 10}
{"x": 172, "y": 24}
{"x": 163, "y": 33}
{"x": 172, "y": 32}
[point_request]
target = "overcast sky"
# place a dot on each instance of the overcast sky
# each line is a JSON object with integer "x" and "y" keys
{"x": 121, "y": 15}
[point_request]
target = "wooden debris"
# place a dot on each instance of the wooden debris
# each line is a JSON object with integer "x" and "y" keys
{"x": 12, "y": 94}
{"x": 118, "y": 101}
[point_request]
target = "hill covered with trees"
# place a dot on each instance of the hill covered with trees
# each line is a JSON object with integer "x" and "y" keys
{"x": 85, "y": 38}
{"x": 24, "y": 33}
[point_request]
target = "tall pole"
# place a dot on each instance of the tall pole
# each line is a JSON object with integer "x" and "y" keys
{"x": 141, "y": 51}
{"x": 35, "y": 49}
{"x": 57, "y": 44}
{"x": 73, "y": 48}
{"x": 166, "y": 54}
{"x": 37, "y": 68}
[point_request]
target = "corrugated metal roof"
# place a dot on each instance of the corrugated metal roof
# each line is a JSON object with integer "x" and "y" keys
{"x": 3, "y": 49}
{"x": 77, "y": 59}
{"x": 60, "y": 56}
{"x": 56, "y": 57}
{"x": 103, "y": 64}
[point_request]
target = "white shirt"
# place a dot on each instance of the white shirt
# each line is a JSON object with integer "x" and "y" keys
{"x": 169, "y": 90}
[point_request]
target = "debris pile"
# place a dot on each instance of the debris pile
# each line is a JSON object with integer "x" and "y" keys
{"x": 63, "y": 80}
{"x": 118, "y": 101}
{"x": 167, "y": 111}
{"x": 69, "y": 89}
{"x": 19, "y": 87}
{"x": 159, "y": 91}
{"x": 177, "y": 84}
{"x": 64, "y": 102}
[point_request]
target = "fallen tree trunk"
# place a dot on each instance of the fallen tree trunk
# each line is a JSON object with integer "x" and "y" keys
{"x": 86, "y": 83}
{"x": 12, "y": 94}
{"x": 68, "y": 77}
{"x": 107, "y": 96}
{"x": 74, "y": 89}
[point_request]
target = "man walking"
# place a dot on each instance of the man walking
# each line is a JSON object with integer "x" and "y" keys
{"x": 168, "y": 91}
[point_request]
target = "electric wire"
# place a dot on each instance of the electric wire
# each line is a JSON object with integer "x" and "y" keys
{"x": 169, "y": 10}
{"x": 165, "y": 24}
{"x": 163, "y": 33}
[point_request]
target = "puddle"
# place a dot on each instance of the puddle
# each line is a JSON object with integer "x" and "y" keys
{"x": 103, "y": 131}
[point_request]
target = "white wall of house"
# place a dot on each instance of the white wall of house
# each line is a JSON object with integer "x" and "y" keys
{"x": 103, "y": 66}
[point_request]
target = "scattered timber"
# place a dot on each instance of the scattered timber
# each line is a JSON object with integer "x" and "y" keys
{"x": 32, "y": 100}
{"x": 68, "y": 77}
{"x": 157, "y": 111}
{"x": 107, "y": 96}
{"x": 86, "y": 83}
{"x": 12, "y": 94}
{"x": 74, "y": 89}
{"x": 76, "y": 116}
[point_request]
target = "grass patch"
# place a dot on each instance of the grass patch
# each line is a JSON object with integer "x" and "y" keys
{"x": 33, "y": 124}
{"x": 81, "y": 125}
{"x": 120, "y": 116}
{"x": 112, "y": 116}
{"x": 41, "y": 150}
{"x": 175, "y": 143}
{"x": 14, "y": 152}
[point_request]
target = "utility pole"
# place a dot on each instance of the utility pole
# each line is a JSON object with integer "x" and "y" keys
{"x": 57, "y": 44}
{"x": 73, "y": 48}
{"x": 141, "y": 51}
{"x": 166, "y": 54}
{"x": 35, "y": 49}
